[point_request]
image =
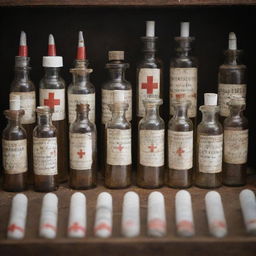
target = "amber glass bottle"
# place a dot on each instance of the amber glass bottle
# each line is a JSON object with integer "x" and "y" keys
{"x": 118, "y": 148}
{"x": 82, "y": 139}
{"x": 235, "y": 144}
{"x": 45, "y": 152}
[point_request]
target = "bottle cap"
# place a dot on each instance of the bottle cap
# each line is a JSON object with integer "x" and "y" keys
{"x": 152, "y": 102}
{"x": 82, "y": 107}
{"x": 150, "y": 28}
{"x": 116, "y": 55}
{"x": 23, "y": 48}
{"x": 232, "y": 43}
{"x": 184, "y": 29}
{"x": 44, "y": 109}
{"x": 14, "y": 102}
{"x": 80, "y": 48}
{"x": 210, "y": 99}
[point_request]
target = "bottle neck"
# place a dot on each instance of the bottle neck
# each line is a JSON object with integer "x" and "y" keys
{"x": 232, "y": 57}
{"x": 149, "y": 47}
{"x": 210, "y": 115}
{"x": 14, "y": 122}
{"x": 118, "y": 116}
{"x": 44, "y": 119}
{"x": 80, "y": 79}
{"x": 117, "y": 74}
{"x": 181, "y": 111}
{"x": 82, "y": 116}
{"x": 52, "y": 72}
{"x": 236, "y": 111}
{"x": 183, "y": 46}
{"x": 152, "y": 112}
{"x": 22, "y": 74}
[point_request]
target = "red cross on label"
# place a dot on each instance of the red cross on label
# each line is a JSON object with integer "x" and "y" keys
{"x": 120, "y": 148}
{"x": 152, "y": 147}
{"x": 81, "y": 153}
{"x": 180, "y": 95}
{"x": 51, "y": 102}
{"x": 76, "y": 227}
{"x": 14, "y": 227}
{"x": 149, "y": 85}
{"x": 180, "y": 151}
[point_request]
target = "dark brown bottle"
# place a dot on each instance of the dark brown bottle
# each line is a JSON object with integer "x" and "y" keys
{"x": 45, "y": 152}
{"x": 118, "y": 148}
{"x": 82, "y": 139}
{"x": 235, "y": 144}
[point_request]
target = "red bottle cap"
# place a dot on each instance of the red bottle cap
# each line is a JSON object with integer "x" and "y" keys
{"x": 81, "y": 55}
{"x": 23, "y": 48}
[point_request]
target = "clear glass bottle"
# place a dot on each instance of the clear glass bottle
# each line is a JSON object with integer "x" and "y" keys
{"x": 232, "y": 77}
{"x": 209, "y": 145}
{"x": 83, "y": 150}
{"x": 118, "y": 148}
{"x": 45, "y": 152}
{"x": 180, "y": 147}
{"x": 235, "y": 144}
{"x": 14, "y": 149}
{"x": 150, "y": 172}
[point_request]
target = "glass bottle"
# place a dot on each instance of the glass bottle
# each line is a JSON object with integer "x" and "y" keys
{"x": 149, "y": 71}
{"x": 45, "y": 152}
{"x": 209, "y": 145}
{"x": 83, "y": 152}
{"x": 232, "y": 77}
{"x": 180, "y": 147}
{"x": 150, "y": 173}
{"x": 235, "y": 144}
{"x": 118, "y": 148}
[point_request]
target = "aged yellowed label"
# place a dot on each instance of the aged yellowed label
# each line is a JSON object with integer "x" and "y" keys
{"x": 210, "y": 153}
{"x": 74, "y": 99}
{"x": 28, "y": 104}
{"x": 226, "y": 92}
{"x": 119, "y": 147}
{"x": 80, "y": 151}
{"x": 180, "y": 150}
{"x": 45, "y": 153}
{"x": 14, "y": 156}
{"x": 149, "y": 87}
{"x": 152, "y": 148}
{"x": 112, "y": 96}
{"x": 235, "y": 146}
{"x": 183, "y": 85}
{"x": 55, "y": 99}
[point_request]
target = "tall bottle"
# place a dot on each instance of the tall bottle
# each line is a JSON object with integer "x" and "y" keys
{"x": 209, "y": 145}
{"x": 52, "y": 94}
{"x": 150, "y": 172}
{"x": 149, "y": 71}
{"x": 232, "y": 77}
{"x": 81, "y": 91}
{"x": 83, "y": 151}
{"x": 14, "y": 149}
{"x": 183, "y": 73}
{"x": 235, "y": 144}
{"x": 45, "y": 151}
{"x": 118, "y": 148}
{"x": 180, "y": 147}
{"x": 24, "y": 87}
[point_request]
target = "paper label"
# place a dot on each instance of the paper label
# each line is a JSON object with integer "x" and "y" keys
{"x": 28, "y": 104}
{"x": 15, "y": 156}
{"x": 119, "y": 147}
{"x": 149, "y": 87}
{"x": 180, "y": 150}
{"x": 45, "y": 154}
{"x": 226, "y": 92}
{"x": 210, "y": 153}
{"x": 74, "y": 99}
{"x": 183, "y": 85}
{"x": 54, "y": 98}
{"x": 235, "y": 146}
{"x": 152, "y": 148}
{"x": 112, "y": 96}
{"x": 80, "y": 151}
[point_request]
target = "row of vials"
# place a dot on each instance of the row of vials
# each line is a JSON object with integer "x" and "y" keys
{"x": 130, "y": 224}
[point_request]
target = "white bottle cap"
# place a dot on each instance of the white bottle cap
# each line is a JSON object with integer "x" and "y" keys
{"x": 52, "y": 61}
{"x": 14, "y": 102}
{"x": 210, "y": 99}
{"x": 150, "y": 28}
{"x": 23, "y": 39}
{"x": 116, "y": 55}
{"x": 184, "y": 29}
{"x": 232, "y": 43}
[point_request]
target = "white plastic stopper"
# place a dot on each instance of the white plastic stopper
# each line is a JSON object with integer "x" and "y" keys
{"x": 184, "y": 214}
{"x": 23, "y": 39}
{"x": 52, "y": 61}
{"x": 248, "y": 206}
{"x": 17, "y": 222}
{"x": 232, "y": 43}
{"x": 103, "y": 219}
{"x": 215, "y": 214}
{"x": 210, "y": 99}
{"x": 51, "y": 40}
{"x": 49, "y": 216}
{"x": 184, "y": 29}
{"x": 77, "y": 216}
{"x": 131, "y": 215}
{"x": 156, "y": 215}
{"x": 150, "y": 28}
{"x": 14, "y": 102}
{"x": 116, "y": 55}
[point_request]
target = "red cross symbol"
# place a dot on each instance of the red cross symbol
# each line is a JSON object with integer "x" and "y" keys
{"x": 149, "y": 85}
{"x": 180, "y": 151}
{"x": 81, "y": 153}
{"x": 51, "y": 102}
{"x": 152, "y": 147}
{"x": 76, "y": 227}
{"x": 120, "y": 148}
{"x": 14, "y": 227}
{"x": 180, "y": 95}
{"x": 103, "y": 226}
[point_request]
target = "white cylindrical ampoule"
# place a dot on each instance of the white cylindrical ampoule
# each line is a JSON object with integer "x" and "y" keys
{"x": 103, "y": 219}
{"x": 17, "y": 222}
{"x": 131, "y": 215}
{"x": 248, "y": 206}
{"x": 184, "y": 214}
{"x": 156, "y": 215}
{"x": 215, "y": 214}
{"x": 77, "y": 216}
{"x": 49, "y": 216}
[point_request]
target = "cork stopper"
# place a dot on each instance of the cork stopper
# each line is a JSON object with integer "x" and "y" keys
{"x": 118, "y": 106}
{"x": 210, "y": 99}
{"x": 82, "y": 108}
{"x": 232, "y": 43}
{"x": 150, "y": 28}
{"x": 115, "y": 55}
{"x": 184, "y": 29}
{"x": 14, "y": 102}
